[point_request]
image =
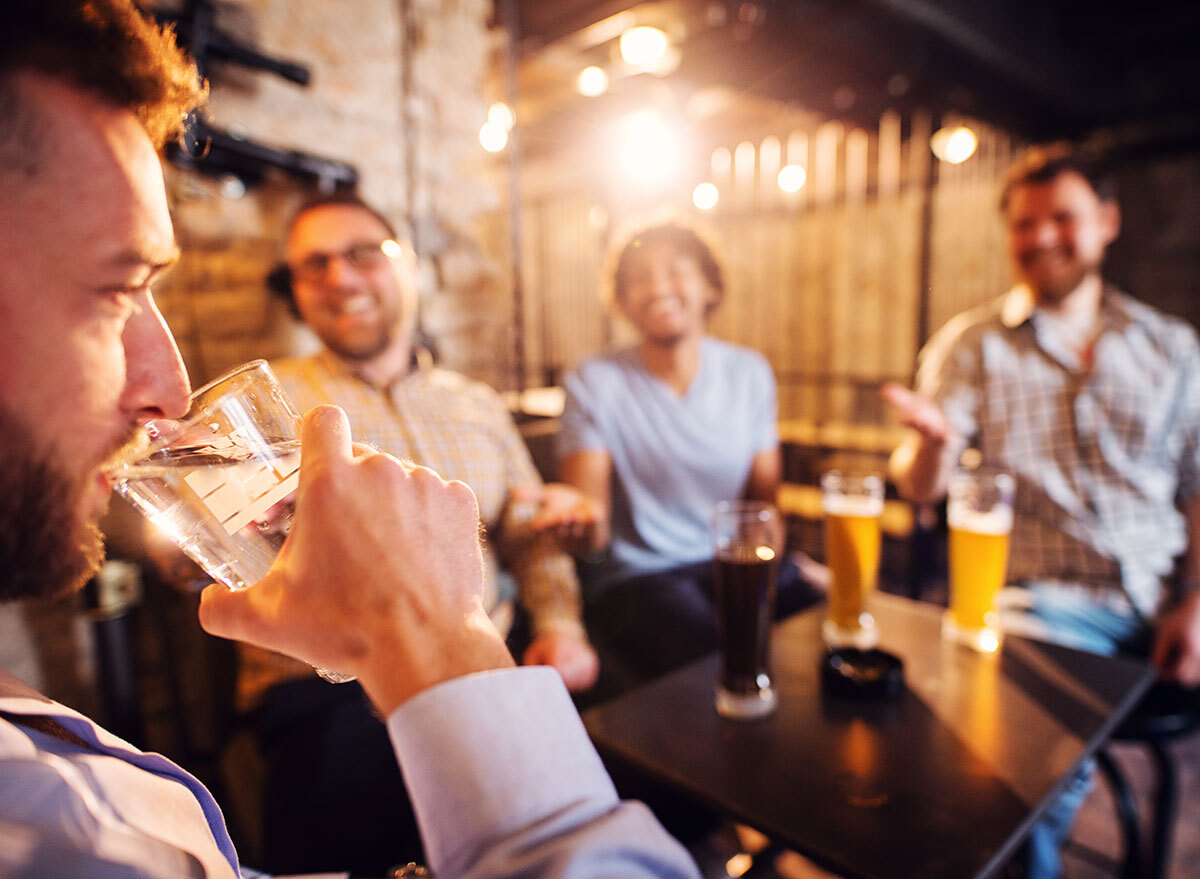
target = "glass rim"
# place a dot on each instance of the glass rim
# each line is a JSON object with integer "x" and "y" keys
{"x": 161, "y": 442}
{"x": 745, "y": 506}
{"x": 872, "y": 480}
{"x": 1002, "y": 476}
{"x": 226, "y": 376}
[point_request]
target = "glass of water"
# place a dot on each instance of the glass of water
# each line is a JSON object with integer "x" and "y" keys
{"x": 220, "y": 483}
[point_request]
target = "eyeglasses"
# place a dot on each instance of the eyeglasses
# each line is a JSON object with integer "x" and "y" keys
{"x": 364, "y": 255}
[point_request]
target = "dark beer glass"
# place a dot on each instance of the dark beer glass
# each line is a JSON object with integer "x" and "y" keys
{"x": 749, "y": 543}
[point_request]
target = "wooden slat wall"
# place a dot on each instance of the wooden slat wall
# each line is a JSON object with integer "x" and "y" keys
{"x": 563, "y": 248}
{"x": 969, "y": 256}
{"x": 826, "y": 282}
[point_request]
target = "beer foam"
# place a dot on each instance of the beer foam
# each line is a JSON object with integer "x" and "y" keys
{"x": 995, "y": 521}
{"x": 852, "y": 505}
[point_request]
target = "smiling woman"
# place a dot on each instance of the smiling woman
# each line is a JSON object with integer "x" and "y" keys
{"x": 656, "y": 435}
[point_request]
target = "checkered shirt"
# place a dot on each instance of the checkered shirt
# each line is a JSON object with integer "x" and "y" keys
{"x": 462, "y": 429}
{"x": 1102, "y": 457}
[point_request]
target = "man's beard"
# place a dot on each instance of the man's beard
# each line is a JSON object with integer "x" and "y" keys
{"x": 46, "y": 548}
{"x": 1054, "y": 290}
{"x": 365, "y": 351}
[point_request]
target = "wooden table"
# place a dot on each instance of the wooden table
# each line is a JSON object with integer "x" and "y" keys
{"x": 945, "y": 781}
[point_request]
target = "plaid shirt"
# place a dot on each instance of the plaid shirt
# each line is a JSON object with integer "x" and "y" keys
{"x": 1102, "y": 456}
{"x": 462, "y": 429}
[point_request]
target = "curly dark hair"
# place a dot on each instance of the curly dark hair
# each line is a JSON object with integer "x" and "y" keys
{"x": 681, "y": 239}
{"x": 108, "y": 47}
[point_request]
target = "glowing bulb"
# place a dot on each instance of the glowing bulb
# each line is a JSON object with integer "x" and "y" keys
{"x": 392, "y": 249}
{"x": 493, "y": 137}
{"x": 648, "y": 149}
{"x": 705, "y": 196}
{"x": 739, "y": 864}
{"x": 592, "y": 82}
{"x": 501, "y": 114}
{"x": 765, "y": 553}
{"x": 643, "y": 46}
{"x": 791, "y": 178}
{"x": 954, "y": 145}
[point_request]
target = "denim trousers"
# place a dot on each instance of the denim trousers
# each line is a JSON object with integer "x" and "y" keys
{"x": 1078, "y": 617}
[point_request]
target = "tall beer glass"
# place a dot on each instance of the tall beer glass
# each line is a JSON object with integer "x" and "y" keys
{"x": 980, "y": 515}
{"x": 749, "y": 543}
{"x": 853, "y": 504}
{"x": 219, "y": 482}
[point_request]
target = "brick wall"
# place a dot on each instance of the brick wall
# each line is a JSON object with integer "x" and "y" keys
{"x": 362, "y": 55}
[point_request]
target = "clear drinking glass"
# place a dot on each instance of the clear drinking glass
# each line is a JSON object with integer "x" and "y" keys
{"x": 220, "y": 482}
{"x": 749, "y": 544}
{"x": 853, "y": 504}
{"x": 980, "y": 514}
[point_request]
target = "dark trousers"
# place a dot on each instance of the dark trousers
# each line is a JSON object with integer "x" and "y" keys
{"x": 333, "y": 796}
{"x": 334, "y": 799}
{"x": 647, "y": 626}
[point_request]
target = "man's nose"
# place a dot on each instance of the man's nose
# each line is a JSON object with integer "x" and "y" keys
{"x": 156, "y": 381}
{"x": 338, "y": 272}
{"x": 659, "y": 282}
{"x": 1044, "y": 233}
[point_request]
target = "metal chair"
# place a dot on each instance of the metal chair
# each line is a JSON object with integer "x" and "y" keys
{"x": 1166, "y": 712}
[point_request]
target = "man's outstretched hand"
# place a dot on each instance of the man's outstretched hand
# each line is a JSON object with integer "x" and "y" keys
{"x": 920, "y": 413}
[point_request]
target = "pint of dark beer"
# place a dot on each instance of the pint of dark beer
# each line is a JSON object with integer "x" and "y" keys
{"x": 749, "y": 543}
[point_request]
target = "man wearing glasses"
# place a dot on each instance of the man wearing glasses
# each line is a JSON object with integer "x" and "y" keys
{"x": 352, "y": 279}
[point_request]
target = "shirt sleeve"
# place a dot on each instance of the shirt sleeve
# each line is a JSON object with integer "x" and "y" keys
{"x": 1189, "y": 417}
{"x": 949, "y": 373}
{"x": 579, "y": 429}
{"x": 504, "y": 782}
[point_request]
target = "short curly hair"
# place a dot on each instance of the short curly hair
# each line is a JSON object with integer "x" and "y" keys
{"x": 107, "y": 47}
{"x": 680, "y": 238}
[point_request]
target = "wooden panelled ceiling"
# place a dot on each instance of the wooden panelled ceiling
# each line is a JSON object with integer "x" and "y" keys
{"x": 1041, "y": 69}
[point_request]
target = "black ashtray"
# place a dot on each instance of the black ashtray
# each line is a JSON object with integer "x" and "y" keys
{"x": 862, "y": 674}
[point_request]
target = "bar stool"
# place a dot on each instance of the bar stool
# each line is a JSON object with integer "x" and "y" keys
{"x": 1166, "y": 712}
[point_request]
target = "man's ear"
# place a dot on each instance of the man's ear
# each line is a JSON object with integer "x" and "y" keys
{"x": 279, "y": 282}
{"x": 1110, "y": 217}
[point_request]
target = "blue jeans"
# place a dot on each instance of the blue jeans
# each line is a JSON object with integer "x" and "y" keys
{"x": 1071, "y": 615}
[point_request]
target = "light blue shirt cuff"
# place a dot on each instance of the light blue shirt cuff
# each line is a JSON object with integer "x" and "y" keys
{"x": 488, "y": 755}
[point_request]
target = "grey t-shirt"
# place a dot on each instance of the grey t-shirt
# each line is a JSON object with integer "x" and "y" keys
{"x": 674, "y": 457}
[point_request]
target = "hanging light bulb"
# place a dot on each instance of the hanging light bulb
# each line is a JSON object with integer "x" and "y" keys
{"x": 705, "y": 196}
{"x": 493, "y": 137}
{"x": 643, "y": 46}
{"x": 954, "y": 145}
{"x": 791, "y": 178}
{"x": 592, "y": 82}
{"x": 501, "y": 114}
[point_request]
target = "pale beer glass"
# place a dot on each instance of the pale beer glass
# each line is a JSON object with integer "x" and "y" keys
{"x": 220, "y": 482}
{"x": 853, "y": 505}
{"x": 980, "y": 514}
{"x": 749, "y": 541}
